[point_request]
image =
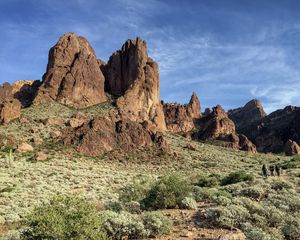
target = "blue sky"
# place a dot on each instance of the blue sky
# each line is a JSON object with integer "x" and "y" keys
{"x": 227, "y": 51}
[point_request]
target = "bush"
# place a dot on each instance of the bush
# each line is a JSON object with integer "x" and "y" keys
{"x": 133, "y": 226}
{"x": 235, "y": 177}
{"x": 293, "y": 163}
{"x": 229, "y": 216}
{"x": 64, "y": 218}
{"x": 291, "y": 228}
{"x": 254, "y": 192}
{"x": 118, "y": 225}
{"x": 208, "y": 181}
{"x": 201, "y": 194}
{"x": 188, "y": 203}
{"x": 156, "y": 223}
{"x": 134, "y": 192}
{"x": 116, "y": 206}
{"x": 281, "y": 184}
{"x": 168, "y": 192}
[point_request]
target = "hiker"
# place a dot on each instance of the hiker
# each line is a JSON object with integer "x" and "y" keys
{"x": 277, "y": 170}
{"x": 264, "y": 171}
{"x": 272, "y": 168}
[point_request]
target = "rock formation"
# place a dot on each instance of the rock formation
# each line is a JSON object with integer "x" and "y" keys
{"x": 217, "y": 125}
{"x": 274, "y": 130}
{"x": 133, "y": 78}
{"x": 291, "y": 148}
{"x": 181, "y": 118}
{"x": 103, "y": 134}
{"x": 248, "y": 116}
{"x": 73, "y": 76}
{"x": 9, "y": 110}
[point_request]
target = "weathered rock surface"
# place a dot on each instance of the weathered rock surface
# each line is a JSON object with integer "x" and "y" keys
{"x": 25, "y": 147}
{"x": 248, "y": 116}
{"x": 9, "y": 110}
{"x": 291, "y": 148}
{"x": 133, "y": 78}
{"x": 23, "y": 90}
{"x": 102, "y": 134}
{"x": 73, "y": 76}
{"x": 274, "y": 130}
{"x": 181, "y": 118}
{"x": 216, "y": 125}
{"x": 40, "y": 156}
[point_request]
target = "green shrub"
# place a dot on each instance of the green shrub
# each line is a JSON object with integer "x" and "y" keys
{"x": 254, "y": 192}
{"x": 134, "y": 192}
{"x": 291, "y": 228}
{"x": 293, "y": 163}
{"x": 64, "y": 218}
{"x": 229, "y": 216}
{"x": 235, "y": 177}
{"x": 274, "y": 216}
{"x": 124, "y": 224}
{"x": 188, "y": 203}
{"x": 208, "y": 181}
{"x": 156, "y": 223}
{"x": 281, "y": 184}
{"x": 118, "y": 225}
{"x": 116, "y": 206}
{"x": 168, "y": 192}
{"x": 201, "y": 194}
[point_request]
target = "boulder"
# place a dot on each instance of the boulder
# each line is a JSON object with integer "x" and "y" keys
{"x": 55, "y": 134}
{"x": 10, "y": 110}
{"x": 25, "y": 147}
{"x": 40, "y": 156}
{"x": 23, "y": 90}
{"x": 73, "y": 76}
{"x": 54, "y": 121}
{"x": 75, "y": 122}
{"x": 37, "y": 140}
{"x": 217, "y": 125}
{"x": 181, "y": 118}
{"x": 133, "y": 78}
{"x": 291, "y": 148}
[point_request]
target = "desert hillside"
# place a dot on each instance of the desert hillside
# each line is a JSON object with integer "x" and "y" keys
{"x": 91, "y": 151}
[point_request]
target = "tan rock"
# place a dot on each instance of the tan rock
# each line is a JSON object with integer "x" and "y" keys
{"x": 40, "y": 156}
{"x": 55, "y": 134}
{"x": 73, "y": 75}
{"x": 75, "y": 122}
{"x": 37, "y": 140}
{"x": 25, "y": 147}
{"x": 133, "y": 77}
{"x": 54, "y": 121}
{"x": 291, "y": 148}
{"x": 10, "y": 110}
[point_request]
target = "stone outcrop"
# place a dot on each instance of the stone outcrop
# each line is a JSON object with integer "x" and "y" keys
{"x": 9, "y": 110}
{"x": 274, "y": 130}
{"x": 247, "y": 117}
{"x": 23, "y": 90}
{"x": 217, "y": 126}
{"x": 102, "y": 134}
{"x": 132, "y": 77}
{"x": 291, "y": 148}
{"x": 181, "y": 118}
{"x": 73, "y": 76}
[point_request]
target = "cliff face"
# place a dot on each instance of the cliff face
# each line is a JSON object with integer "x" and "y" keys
{"x": 73, "y": 76}
{"x": 247, "y": 117}
{"x": 181, "y": 118}
{"x": 133, "y": 78}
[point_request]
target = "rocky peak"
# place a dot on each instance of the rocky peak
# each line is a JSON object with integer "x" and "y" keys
{"x": 73, "y": 76}
{"x": 195, "y": 105}
{"x": 181, "y": 118}
{"x": 133, "y": 77}
{"x": 241, "y": 115}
